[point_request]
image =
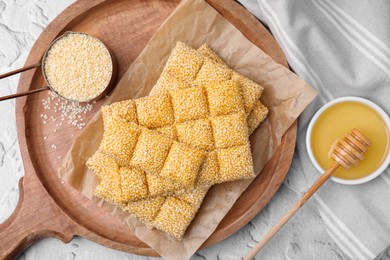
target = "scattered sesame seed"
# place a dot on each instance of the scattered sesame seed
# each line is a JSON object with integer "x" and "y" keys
{"x": 72, "y": 112}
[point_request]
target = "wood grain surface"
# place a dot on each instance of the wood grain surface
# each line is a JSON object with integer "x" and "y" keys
{"x": 49, "y": 207}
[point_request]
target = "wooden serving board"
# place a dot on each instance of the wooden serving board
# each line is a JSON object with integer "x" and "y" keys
{"x": 49, "y": 207}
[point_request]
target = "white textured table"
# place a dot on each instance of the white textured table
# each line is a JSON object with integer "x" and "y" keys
{"x": 304, "y": 237}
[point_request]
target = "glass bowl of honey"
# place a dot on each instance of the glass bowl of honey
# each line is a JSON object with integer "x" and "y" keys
{"x": 337, "y": 118}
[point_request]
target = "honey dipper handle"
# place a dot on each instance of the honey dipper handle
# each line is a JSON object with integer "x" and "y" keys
{"x": 324, "y": 177}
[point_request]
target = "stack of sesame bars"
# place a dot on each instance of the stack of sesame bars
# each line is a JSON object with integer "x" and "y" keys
{"x": 160, "y": 154}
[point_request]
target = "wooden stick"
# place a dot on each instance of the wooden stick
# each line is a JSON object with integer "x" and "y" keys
{"x": 346, "y": 152}
{"x": 25, "y": 93}
{"x": 36, "y": 65}
{"x": 324, "y": 177}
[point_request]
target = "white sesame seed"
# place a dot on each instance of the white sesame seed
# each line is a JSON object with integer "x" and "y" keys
{"x": 88, "y": 67}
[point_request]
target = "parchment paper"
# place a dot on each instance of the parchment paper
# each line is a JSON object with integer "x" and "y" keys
{"x": 194, "y": 22}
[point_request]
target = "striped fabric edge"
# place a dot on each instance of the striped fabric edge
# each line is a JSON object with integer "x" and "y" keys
{"x": 385, "y": 176}
{"x": 359, "y": 27}
{"x": 344, "y": 234}
{"x": 335, "y": 235}
{"x": 362, "y": 41}
{"x": 294, "y": 56}
{"x": 347, "y": 24}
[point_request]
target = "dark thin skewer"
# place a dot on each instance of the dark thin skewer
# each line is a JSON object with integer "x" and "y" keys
{"x": 24, "y": 93}
{"x": 20, "y": 70}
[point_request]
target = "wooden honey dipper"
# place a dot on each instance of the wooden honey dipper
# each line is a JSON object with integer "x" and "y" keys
{"x": 345, "y": 152}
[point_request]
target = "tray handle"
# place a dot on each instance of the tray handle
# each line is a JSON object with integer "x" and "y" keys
{"x": 36, "y": 216}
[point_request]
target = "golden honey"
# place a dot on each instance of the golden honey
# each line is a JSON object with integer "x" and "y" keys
{"x": 340, "y": 119}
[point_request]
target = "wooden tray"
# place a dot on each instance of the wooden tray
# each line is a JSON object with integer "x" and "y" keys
{"x": 48, "y": 207}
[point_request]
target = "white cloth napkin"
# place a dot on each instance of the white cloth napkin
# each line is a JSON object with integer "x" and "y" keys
{"x": 342, "y": 48}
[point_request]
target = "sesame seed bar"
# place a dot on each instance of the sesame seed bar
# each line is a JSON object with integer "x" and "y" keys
{"x": 171, "y": 214}
{"x": 136, "y": 151}
{"x": 259, "y": 111}
{"x": 212, "y": 69}
{"x": 256, "y": 116}
{"x": 212, "y": 126}
{"x": 250, "y": 88}
{"x": 208, "y": 118}
{"x": 187, "y": 67}
{"x": 121, "y": 184}
{"x": 211, "y": 118}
